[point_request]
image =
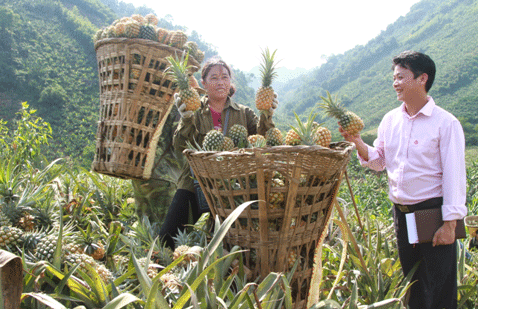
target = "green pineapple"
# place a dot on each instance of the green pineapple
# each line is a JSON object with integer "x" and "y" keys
{"x": 238, "y": 133}
{"x": 148, "y": 32}
{"x": 4, "y": 220}
{"x": 10, "y": 238}
{"x": 46, "y": 248}
{"x": 274, "y": 137}
{"x": 213, "y": 140}
{"x": 349, "y": 121}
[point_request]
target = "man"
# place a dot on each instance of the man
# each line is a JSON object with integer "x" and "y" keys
{"x": 422, "y": 147}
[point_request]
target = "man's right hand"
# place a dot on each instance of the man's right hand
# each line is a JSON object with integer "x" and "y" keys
{"x": 361, "y": 147}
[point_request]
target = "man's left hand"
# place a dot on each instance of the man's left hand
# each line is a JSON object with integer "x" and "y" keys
{"x": 445, "y": 235}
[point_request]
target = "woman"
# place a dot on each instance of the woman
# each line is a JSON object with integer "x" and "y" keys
{"x": 217, "y": 111}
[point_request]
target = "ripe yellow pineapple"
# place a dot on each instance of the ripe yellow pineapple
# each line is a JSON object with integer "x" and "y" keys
{"x": 257, "y": 140}
{"x": 349, "y": 121}
{"x": 265, "y": 94}
{"x": 179, "y": 69}
{"x": 178, "y": 39}
{"x": 292, "y": 138}
{"x": 323, "y": 136}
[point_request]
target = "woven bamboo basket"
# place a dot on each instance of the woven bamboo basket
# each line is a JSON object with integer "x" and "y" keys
{"x": 274, "y": 233}
{"x": 135, "y": 100}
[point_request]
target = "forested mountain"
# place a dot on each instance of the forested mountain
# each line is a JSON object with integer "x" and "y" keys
{"x": 447, "y": 30}
{"x": 48, "y": 59}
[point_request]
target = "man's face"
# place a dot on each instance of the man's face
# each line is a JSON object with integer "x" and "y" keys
{"x": 406, "y": 86}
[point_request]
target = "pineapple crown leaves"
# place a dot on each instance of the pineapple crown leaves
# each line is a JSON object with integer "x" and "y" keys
{"x": 179, "y": 70}
{"x": 267, "y": 67}
{"x": 306, "y": 131}
{"x": 332, "y": 107}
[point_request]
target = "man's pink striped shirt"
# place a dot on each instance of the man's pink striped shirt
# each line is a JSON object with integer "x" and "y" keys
{"x": 424, "y": 156}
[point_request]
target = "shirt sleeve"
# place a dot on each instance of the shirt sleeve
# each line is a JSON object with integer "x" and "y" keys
{"x": 376, "y": 158}
{"x": 454, "y": 181}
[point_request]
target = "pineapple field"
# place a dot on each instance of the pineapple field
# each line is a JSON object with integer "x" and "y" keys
{"x": 83, "y": 246}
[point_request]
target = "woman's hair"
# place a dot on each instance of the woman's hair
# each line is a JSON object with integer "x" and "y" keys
{"x": 418, "y": 63}
{"x": 212, "y": 62}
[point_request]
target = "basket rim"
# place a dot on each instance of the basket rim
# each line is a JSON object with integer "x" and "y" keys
{"x": 336, "y": 148}
{"x": 151, "y": 43}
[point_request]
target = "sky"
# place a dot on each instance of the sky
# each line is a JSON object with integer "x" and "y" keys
{"x": 301, "y": 32}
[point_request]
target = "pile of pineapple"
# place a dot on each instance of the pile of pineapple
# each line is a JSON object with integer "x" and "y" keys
{"x": 145, "y": 27}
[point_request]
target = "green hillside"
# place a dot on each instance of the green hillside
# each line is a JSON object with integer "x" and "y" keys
{"x": 447, "y": 30}
{"x": 48, "y": 60}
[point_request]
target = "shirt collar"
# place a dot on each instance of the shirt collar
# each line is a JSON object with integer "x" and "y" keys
{"x": 228, "y": 103}
{"x": 427, "y": 110}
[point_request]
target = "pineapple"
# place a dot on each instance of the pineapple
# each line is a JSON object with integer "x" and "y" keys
{"x": 162, "y": 35}
{"x": 274, "y": 137}
{"x": 45, "y": 248}
{"x": 132, "y": 29}
{"x": 305, "y": 133}
{"x": 148, "y": 32}
{"x": 138, "y": 18}
{"x": 178, "y": 39}
{"x": 10, "y": 237}
{"x": 238, "y": 133}
{"x": 213, "y": 140}
{"x": 292, "y": 138}
{"x": 228, "y": 144}
{"x": 265, "y": 94}
{"x": 257, "y": 140}
{"x": 276, "y": 198}
{"x": 179, "y": 71}
{"x": 151, "y": 19}
{"x": 323, "y": 136}
{"x": 119, "y": 28}
{"x": 349, "y": 121}
{"x": 292, "y": 258}
{"x": 4, "y": 220}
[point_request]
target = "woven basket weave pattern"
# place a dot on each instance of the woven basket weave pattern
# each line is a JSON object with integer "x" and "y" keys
{"x": 272, "y": 233}
{"x": 135, "y": 100}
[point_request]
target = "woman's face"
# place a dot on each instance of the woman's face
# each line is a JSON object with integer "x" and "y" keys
{"x": 217, "y": 83}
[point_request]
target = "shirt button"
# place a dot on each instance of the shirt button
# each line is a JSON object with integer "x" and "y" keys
{"x": 416, "y": 142}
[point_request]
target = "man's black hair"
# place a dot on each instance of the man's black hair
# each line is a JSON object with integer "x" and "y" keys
{"x": 418, "y": 63}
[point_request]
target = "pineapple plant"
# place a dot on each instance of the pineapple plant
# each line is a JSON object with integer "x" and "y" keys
{"x": 213, "y": 140}
{"x": 179, "y": 71}
{"x": 265, "y": 94}
{"x": 274, "y": 137}
{"x": 256, "y": 140}
{"x": 238, "y": 133}
{"x": 349, "y": 121}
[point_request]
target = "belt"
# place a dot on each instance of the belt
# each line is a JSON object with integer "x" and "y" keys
{"x": 427, "y": 204}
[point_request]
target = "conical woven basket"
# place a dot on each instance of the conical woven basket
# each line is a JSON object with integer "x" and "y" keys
{"x": 135, "y": 100}
{"x": 287, "y": 222}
